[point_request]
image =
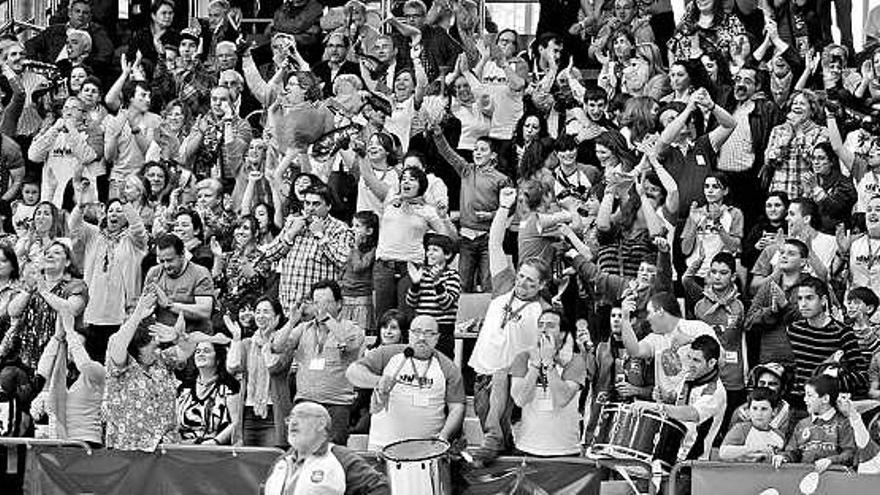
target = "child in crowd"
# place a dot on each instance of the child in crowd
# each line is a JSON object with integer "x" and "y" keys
{"x": 754, "y": 440}
{"x": 357, "y": 277}
{"x": 23, "y": 210}
{"x": 436, "y": 287}
{"x": 861, "y": 304}
{"x": 823, "y": 438}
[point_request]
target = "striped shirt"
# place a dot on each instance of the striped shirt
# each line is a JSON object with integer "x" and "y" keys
{"x": 811, "y": 346}
{"x": 436, "y": 296}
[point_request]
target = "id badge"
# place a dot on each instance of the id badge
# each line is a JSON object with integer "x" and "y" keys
{"x": 317, "y": 364}
{"x": 420, "y": 399}
{"x": 544, "y": 402}
{"x": 731, "y": 357}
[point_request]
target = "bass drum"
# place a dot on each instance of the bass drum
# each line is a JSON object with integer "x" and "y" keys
{"x": 418, "y": 467}
{"x": 643, "y": 436}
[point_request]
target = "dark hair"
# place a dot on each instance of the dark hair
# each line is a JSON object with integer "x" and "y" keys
{"x": 830, "y": 153}
{"x": 309, "y": 83}
{"x": 814, "y": 283}
{"x": 809, "y": 208}
{"x": 420, "y": 177}
{"x": 667, "y": 302}
{"x": 158, "y": 3}
{"x": 825, "y": 385}
{"x": 160, "y": 196}
{"x": 544, "y": 39}
{"x": 444, "y": 242}
{"x": 327, "y": 284}
{"x": 387, "y": 143}
{"x": 508, "y": 30}
{"x": 170, "y": 241}
{"x": 760, "y": 76}
{"x": 764, "y": 393}
{"x": 371, "y": 221}
{"x": 727, "y": 259}
{"x": 141, "y": 337}
{"x": 9, "y": 252}
{"x": 864, "y": 294}
{"x": 692, "y": 15}
{"x": 252, "y": 223}
{"x": 801, "y": 245}
{"x": 782, "y": 195}
{"x": 94, "y": 81}
{"x": 198, "y": 226}
{"x": 418, "y": 155}
{"x": 276, "y": 308}
{"x": 519, "y": 138}
{"x": 616, "y": 143}
{"x": 678, "y": 107}
{"x": 720, "y": 177}
{"x": 130, "y": 89}
{"x": 697, "y": 74}
{"x": 594, "y": 93}
{"x": 270, "y": 213}
{"x": 708, "y": 346}
{"x": 534, "y": 156}
{"x": 624, "y": 31}
{"x": 321, "y": 190}
{"x": 57, "y": 222}
{"x": 566, "y": 142}
{"x": 393, "y": 315}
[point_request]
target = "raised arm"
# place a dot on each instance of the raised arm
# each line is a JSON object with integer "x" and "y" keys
{"x": 117, "y": 347}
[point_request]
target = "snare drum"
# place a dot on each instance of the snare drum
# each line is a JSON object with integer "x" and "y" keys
{"x": 645, "y": 436}
{"x": 418, "y": 467}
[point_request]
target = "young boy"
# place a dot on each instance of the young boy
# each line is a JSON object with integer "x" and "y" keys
{"x": 23, "y": 211}
{"x": 869, "y": 451}
{"x": 436, "y": 288}
{"x": 754, "y": 440}
{"x": 823, "y": 438}
{"x": 861, "y": 304}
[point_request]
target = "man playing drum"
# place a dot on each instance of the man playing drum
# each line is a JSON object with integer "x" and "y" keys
{"x": 417, "y": 392}
{"x": 701, "y": 399}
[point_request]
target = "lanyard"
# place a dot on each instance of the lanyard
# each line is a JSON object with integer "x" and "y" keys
{"x": 510, "y": 314}
{"x": 421, "y": 378}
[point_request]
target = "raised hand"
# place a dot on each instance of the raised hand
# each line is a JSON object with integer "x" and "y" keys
{"x": 415, "y": 272}
{"x": 507, "y": 197}
{"x": 232, "y": 326}
{"x": 216, "y": 249}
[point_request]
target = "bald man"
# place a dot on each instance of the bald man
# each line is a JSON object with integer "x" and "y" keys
{"x": 314, "y": 465}
{"x": 417, "y": 391}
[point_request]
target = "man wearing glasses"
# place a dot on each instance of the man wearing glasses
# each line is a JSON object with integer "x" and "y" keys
{"x": 417, "y": 391}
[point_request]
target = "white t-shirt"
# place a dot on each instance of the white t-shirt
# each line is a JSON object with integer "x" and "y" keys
{"x": 669, "y": 378}
{"x": 509, "y": 328}
{"x": 320, "y": 474}
{"x": 367, "y": 201}
{"x": 864, "y": 263}
{"x": 413, "y": 411}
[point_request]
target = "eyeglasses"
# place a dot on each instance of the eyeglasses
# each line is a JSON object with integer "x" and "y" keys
{"x": 421, "y": 332}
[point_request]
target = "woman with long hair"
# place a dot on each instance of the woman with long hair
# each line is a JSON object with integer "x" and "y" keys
{"x": 160, "y": 183}
{"x": 266, "y": 394}
{"x": 685, "y": 76}
{"x": 705, "y": 26}
{"x": 530, "y": 127}
{"x": 644, "y": 73}
{"x": 188, "y": 226}
{"x": 767, "y": 230}
{"x": 52, "y": 288}
{"x": 379, "y": 176}
{"x": 612, "y": 152}
{"x": 47, "y": 225}
{"x": 208, "y": 404}
{"x": 537, "y": 163}
{"x": 238, "y": 273}
{"x": 150, "y": 41}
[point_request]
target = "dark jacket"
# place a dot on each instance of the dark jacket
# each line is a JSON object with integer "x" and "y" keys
{"x": 836, "y": 206}
{"x": 762, "y": 119}
{"x": 324, "y": 74}
{"x": 46, "y": 46}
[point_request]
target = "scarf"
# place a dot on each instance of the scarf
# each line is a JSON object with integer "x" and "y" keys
{"x": 690, "y": 384}
{"x": 258, "y": 374}
{"x": 720, "y": 300}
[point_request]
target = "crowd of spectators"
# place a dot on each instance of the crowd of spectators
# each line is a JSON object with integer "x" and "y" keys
{"x": 676, "y": 209}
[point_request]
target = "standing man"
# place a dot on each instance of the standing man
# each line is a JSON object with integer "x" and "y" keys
{"x": 337, "y": 62}
{"x": 417, "y": 391}
{"x": 128, "y": 135}
{"x": 742, "y": 155}
{"x": 324, "y": 346}
{"x": 218, "y": 141}
{"x": 311, "y": 247}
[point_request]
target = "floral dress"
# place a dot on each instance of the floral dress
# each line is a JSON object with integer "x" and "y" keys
{"x": 37, "y": 323}
{"x": 715, "y": 38}
{"x": 236, "y": 289}
{"x": 139, "y": 405}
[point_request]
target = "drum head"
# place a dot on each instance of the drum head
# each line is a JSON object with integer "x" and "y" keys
{"x": 415, "y": 450}
{"x": 665, "y": 419}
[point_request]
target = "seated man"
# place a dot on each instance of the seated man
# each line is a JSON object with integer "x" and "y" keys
{"x": 701, "y": 399}
{"x": 314, "y": 465}
{"x": 754, "y": 440}
{"x": 545, "y": 381}
{"x": 823, "y": 438}
{"x": 771, "y": 376}
{"x": 418, "y": 392}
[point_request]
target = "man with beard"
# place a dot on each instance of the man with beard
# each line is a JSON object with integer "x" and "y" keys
{"x": 509, "y": 328}
{"x": 742, "y": 155}
{"x": 111, "y": 269}
{"x": 337, "y": 62}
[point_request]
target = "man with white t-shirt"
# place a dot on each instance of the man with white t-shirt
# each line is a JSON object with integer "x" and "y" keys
{"x": 667, "y": 344}
{"x": 803, "y": 214}
{"x": 864, "y": 252}
{"x": 417, "y": 392}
